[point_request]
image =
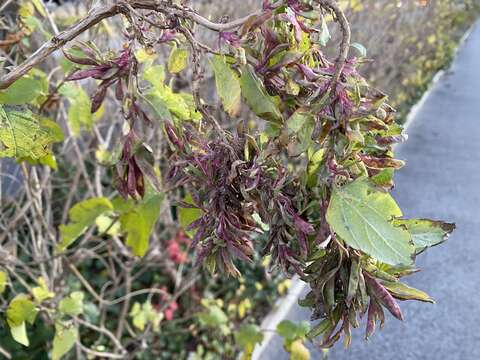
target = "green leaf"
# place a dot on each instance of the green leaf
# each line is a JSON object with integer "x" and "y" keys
{"x": 228, "y": 85}
{"x": 214, "y": 316}
{"x": 79, "y": 112}
{"x": 405, "y": 292}
{"x": 297, "y": 121}
{"x": 23, "y": 91}
{"x": 72, "y": 305}
{"x": 22, "y": 135}
{"x": 145, "y": 314}
{"x": 155, "y": 75}
{"x": 384, "y": 178}
{"x": 66, "y": 334}
{"x": 257, "y": 98}
{"x": 82, "y": 215}
{"x": 3, "y": 281}
{"x": 290, "y": 330}
{"x": 188, "y": 215}
{"x": 166, "y": 103}
{"x": 178, "y": 60}
{"x": 41, "y": 292}
{"x": 247, "y": 336}
{"x": 139, "y": 221}
{"x": 21, "y": 310}
{"x": 138, "y": 316}
{"x": 361, "y": 215}
{"x": 426, "y": 233}
{"x": 287, "y": 329}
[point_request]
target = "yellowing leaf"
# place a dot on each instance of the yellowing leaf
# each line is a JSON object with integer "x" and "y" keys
{"x": 405, "y": 292}
{"x": 164, "y": 101}
{"x": 39, "y": 7}
{"x": 138, "y": 223}
{"x": 3, "y": 281}
{"x": 243, "y": 307}
{"x": 22, "y": 135}
{"x": 82, "y": 215}
{"x": 66, "y": 334}
{"x": 19, "y": 334}
{"x": 177, "y": 60}
{"x": 41, "y": 292}
{"x": 108, "y": 225}
{"x": 72, "y": 305}
{"x": 298, "y": 351}
{"x": 228, "y": 85}
{"x": 143, "y": 314}
{"x": 361, "y": 215}
{"x": 21, "y": 310}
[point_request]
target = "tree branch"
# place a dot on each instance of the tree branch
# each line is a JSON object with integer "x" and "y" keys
{"x": 97, "y": 15}
{"x": 344, "y": 45}
{"x": 92, "y": 18}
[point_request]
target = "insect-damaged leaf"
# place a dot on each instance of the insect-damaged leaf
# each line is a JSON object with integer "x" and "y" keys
{"x": 23, "y": 135}
{"x": 257, "y": 98}
{"x": 228, "y": 85}
{"x": 362, "y": 215}
{"x": 426, "y": 233}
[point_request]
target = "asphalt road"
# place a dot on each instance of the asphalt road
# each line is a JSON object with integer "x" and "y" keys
{"x": 440, "y": 181}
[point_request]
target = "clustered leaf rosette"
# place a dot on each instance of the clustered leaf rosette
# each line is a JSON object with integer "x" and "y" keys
{"x": 231, "y": 185}
{"x": 119, "y": 71}
{"x": 315, "y": 174}
{"x": 110, "y": 71}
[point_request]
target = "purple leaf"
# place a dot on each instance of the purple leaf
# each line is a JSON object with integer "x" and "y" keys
{"x": 384, "y": 296}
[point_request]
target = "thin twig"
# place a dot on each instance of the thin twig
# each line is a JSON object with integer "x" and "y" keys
{"x": 97, "y": 15}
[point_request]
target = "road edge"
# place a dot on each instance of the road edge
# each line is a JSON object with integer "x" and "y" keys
{"x": 283, "y": 306}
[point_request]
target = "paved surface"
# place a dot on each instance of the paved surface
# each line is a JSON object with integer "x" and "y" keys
{"x": 441, "y": 180}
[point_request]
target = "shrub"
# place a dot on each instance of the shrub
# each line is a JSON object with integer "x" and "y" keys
{"x": 300, "y": 183}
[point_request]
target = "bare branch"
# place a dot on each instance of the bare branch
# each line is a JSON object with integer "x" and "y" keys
{"x": 97, "y": 15}
{"x": 93, "y": 18}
